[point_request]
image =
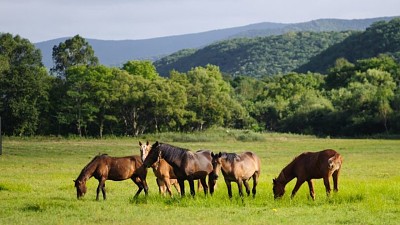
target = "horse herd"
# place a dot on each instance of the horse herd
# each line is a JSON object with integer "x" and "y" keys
{"x": 173, "y": 165}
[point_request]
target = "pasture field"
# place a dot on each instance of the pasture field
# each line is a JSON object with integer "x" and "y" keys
{"x": 36, "y": 184}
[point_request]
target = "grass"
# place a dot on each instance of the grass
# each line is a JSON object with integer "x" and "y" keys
{"x": 36, "y": 184}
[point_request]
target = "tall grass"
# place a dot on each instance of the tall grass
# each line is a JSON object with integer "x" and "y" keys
{"x": 36, "y": 184}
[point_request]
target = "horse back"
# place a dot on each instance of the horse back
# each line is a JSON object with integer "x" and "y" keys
{"x": 122, "y": 168}
{"x": 317, "y": 164}
{"x": 251, "y": 159}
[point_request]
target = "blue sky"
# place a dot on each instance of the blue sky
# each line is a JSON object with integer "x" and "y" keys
{"x": 41, "y": 20}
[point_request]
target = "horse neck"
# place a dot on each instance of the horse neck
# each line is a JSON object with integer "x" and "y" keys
{"x": 286, "y": 174}
{"x": 88, "y": 170}
{"x": 226, "y": 165}
{"x": 174, "y": 156}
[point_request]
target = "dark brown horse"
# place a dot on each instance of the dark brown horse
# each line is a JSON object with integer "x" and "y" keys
{"x": 165, "y": 176}
{"x": 308, "y": 166}
{"x": 104, "y": 167}
{"x": 237, "y": 168}
{"x": 187, "y": 165}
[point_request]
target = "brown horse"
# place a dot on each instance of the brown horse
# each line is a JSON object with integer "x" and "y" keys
{"x": 186, "y": 164}
{"x": 237, "y": 168}
{"x": 164, "y": 172}
{"x": 308, "y": 166}
{"x": 104, "y": 167}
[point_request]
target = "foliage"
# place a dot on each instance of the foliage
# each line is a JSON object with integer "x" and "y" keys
{"x": 255, "y": 57}
{"x": 24, "y": 86}
{"x": 380, "y": 38}
{"x": 72, "y": 52}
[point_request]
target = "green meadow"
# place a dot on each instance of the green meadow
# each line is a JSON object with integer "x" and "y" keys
{"x": 36, "y": 183}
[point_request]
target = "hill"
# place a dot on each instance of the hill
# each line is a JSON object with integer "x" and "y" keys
{"x": 255, "y": 57}
{"x": 380, "y": 38}
{"x": 293, "y": 51}
{"x": 115, "y": 53}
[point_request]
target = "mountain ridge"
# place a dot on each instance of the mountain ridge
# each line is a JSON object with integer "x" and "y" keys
{"x": 117, "y": 52}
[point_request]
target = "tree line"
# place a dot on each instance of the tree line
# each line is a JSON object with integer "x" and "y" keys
{"x": 79, "y": 96}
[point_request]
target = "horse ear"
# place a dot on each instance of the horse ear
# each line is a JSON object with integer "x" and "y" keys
{"x": 219, "y": 154}
{"x": 212, "y": 154}
{"x": 147, "y": 143}
{"x": 140, "y": 143}
{"x": 274, "y": 181}
{"x": 74, "y": 181}
{"x": 156, "y": 144}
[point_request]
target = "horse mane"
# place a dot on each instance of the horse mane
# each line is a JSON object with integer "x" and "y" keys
{"x": 231, "y": 157}
{"x": 173, "y": 152}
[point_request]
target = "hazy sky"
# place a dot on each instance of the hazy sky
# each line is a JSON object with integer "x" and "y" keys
{"x": 40, "y": 20}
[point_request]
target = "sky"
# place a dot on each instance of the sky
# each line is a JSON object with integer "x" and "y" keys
{"x": 41, "y": 20}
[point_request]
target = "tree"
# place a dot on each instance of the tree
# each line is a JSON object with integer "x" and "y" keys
{"x": 145, "y": 69}
{"x": 24, "y": 85}
{"x": 210, "y": 98}
{"x": 73, "y": 52}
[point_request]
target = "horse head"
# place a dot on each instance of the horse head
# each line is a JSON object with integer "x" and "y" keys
{"x": 153, "y": 155}
{"x": 216, "y": 164}
{"x": 80, "y": 188}
{"x": 144, "y": 150}
{"x": 278, "y": 188}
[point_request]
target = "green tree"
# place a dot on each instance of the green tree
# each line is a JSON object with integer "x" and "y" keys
{"x": 130, "y": 105}
{"x": 210, "y": 98}
{"x": 24, "y": 85}
{"x": 145, "y": 69}
{"x": 74, "y": 51}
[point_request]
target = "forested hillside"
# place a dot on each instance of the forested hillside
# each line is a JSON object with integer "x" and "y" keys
{"x": 380, "y": 38}
{"x": 255, "y": 57}
{"x": 300, "y": 51}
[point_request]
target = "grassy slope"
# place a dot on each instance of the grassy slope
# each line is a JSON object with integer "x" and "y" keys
{"x": 36, "y": 185}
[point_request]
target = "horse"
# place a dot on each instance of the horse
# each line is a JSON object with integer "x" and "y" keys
{"x": 308, "y": 166}
{"x": 104, "y": 167}
{"x": 187, "y": 165}
{"x": 165, "y": 176}
{"x": 237, "y": 168}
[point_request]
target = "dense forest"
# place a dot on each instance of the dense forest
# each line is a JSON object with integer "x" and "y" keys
{"x": 358, "y": 94}
{"x": 293, "y": 51}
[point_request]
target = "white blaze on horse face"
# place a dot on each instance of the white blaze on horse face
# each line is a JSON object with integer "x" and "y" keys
{"x": 144, "y": 151}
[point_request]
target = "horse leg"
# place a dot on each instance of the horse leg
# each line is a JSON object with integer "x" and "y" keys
{"x": 101, "y": 187}
{"x": 255, "y": 182}
{"x": 139, "y": 183}
{"x": 204, "y": 184}
{"x": 311, "y": 187}
{"x": 327, "y": 185}
{"x": 229, "y": 186}
{"x": 167, "y": 184}
{"x": 182, "y": 186}
{"x": 246, "y": 185}
{"x": 335, "y": 177}
{"x": 211, "y": 184}
{"x": 240, "y": 186}
{"x": 297, "y": 186}
{"x": 176, "y": 185}
{"x": 191, "y": 184}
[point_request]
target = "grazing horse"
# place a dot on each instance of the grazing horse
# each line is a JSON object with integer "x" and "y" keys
{"x": 237, "y": 168}
{"x": 308, "y": 166}
{"x": 164, "y": 172}
{"x": 187, "y": 165}
{"x": 104, "y": 167}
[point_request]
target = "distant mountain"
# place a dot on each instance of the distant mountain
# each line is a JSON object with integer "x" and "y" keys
{"x": 255, "y": 57}
{"x": 115, "y": 53}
